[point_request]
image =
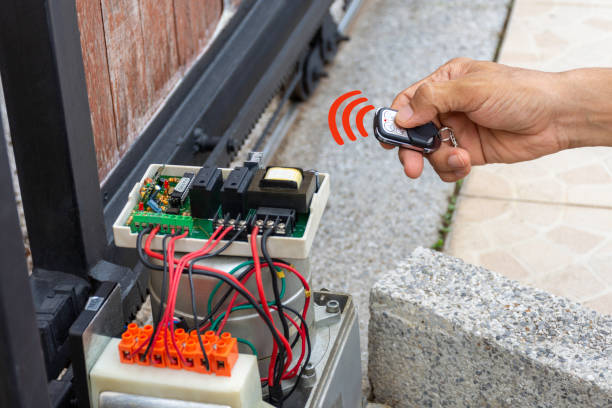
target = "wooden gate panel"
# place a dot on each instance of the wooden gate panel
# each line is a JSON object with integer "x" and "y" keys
{"x": 126, "y": 61}
{"x": 93, "y": 46}
{"x": 134, "y": 53}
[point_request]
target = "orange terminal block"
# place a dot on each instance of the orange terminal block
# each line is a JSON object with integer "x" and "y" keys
{"x": 225, "y": 355}
{"x": 181, "y": 337}
{"x": 222, "y": 352}
{"x": 148, "y": 330}
{"x": 141, "y": 347}
{"x": 211, "y": 336}
{"x": 174, "y": 361}
{"x": 190, "y": 354}
{"x": 134, "y": 329}
{"x": 194, "y": 357}
{"x": 158, "y": 357}
{"x": 126, "y": 347}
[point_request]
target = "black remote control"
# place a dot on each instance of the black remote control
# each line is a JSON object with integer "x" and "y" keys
{"x": 425, "y": 138}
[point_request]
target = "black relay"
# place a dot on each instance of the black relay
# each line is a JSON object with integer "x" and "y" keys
{"x": 234, "y": 191}
{"x": 204, "y": 194}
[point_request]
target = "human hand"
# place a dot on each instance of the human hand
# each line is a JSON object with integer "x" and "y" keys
{"x": 499, "y": 114}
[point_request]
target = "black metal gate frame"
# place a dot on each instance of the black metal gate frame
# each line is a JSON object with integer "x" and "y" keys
{"x": 68, "y": 214}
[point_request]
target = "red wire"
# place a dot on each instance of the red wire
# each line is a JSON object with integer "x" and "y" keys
{"x": 175, "y": 275}
{"x": 293, "y": 372}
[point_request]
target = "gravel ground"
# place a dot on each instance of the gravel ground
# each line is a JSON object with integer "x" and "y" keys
{"x": 376, "y": 216}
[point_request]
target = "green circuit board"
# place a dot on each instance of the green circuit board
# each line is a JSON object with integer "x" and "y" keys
{"x": 159, "y": 188}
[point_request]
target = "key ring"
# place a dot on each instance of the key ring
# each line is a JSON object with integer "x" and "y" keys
{"x": 451, "y": 135}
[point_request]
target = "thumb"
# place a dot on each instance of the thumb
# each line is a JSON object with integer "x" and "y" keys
{"x": 432, "y": 99}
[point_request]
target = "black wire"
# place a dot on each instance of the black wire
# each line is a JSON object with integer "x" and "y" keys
{"x": 141, "y": 254}
{"x": 164, "y": 288}
{"x": 195, "y": 318}
{"x": 307, "y": 360}
{"x": 194, "y": 310}
{"x": 278, "y": 373}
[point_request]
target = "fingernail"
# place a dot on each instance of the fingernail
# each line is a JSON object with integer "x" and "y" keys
{"x": 460, "y": 173}
{"x": 404, "y": 113}
{"x": 455, "y": 161}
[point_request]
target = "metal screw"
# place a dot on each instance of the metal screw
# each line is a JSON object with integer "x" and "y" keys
{"x": 269, "y": 224}
{"x": 259, "y": 223}
{"x": 332, "y": 306}
{"x": 309, "y": 378}
{"x": 310, "y": 369}
{"x": 231, "y": 221}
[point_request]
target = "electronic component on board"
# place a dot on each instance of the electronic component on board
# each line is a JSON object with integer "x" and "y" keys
{"x": 282, "y": 187}
{"x": 204, "y": 193}
{"x": 234, "y": 190}
{"x": 154, "y": 206}
{"x": 282, "y": 177}
{"x": 282, "y": 220}
{"x": 178, "y": 196}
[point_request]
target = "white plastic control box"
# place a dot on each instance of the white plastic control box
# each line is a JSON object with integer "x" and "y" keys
{"x": 281, "y": 247}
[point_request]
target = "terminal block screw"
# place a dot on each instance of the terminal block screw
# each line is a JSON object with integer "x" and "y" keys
{"x": 269, "y": 224}
{"x": 332, "y": 306}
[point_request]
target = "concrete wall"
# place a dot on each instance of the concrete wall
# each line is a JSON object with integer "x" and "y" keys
{"x": 446, "y": 333}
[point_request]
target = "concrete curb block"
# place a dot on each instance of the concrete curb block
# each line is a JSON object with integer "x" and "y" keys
{"x": 446, "y": 333}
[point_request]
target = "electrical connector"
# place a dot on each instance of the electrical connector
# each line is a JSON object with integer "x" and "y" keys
{"x": 126, "y": 347}
{"x": 225, "y": 355}
{"x": 222, "y": 352}
{"x": 143, "y": 219}
{"x": 282, "y": 220}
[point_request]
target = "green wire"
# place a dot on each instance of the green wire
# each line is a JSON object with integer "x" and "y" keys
{"x": 233, "y": 271}
{"x": 248, "y": 343}
{"x": 242, "y": 307}
{"x": 218, "y": 285}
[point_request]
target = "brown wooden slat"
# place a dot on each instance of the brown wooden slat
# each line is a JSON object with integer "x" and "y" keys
{"x": 160, "y": 50}
{"x": 184, "y": 35}
{"x": 214, "y": 9}
{"x": 126, "y": 60}
{"x": 196, "y": 21}
{"x": 93, "y": 46}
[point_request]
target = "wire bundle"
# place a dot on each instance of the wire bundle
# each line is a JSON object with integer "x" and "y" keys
{"x": 282, "y": 354}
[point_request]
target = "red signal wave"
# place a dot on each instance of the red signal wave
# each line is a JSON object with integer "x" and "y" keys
{"x": 346, "y": 114}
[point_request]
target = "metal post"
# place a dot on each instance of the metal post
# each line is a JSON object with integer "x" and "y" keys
{"x": 23, "y": 382}
{"x": 46, "y": 98}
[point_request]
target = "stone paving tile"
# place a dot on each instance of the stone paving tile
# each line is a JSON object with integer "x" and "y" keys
{"x": 578, "y": 176}
{"x": 557, "y": 35}
{"x": 602, "y": 303}
{"x": 566, "y": 250}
